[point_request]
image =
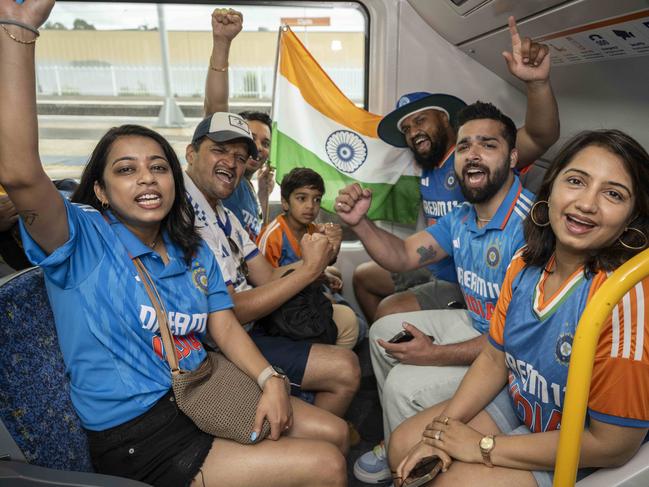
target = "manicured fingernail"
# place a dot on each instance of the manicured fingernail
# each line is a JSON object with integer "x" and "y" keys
{"x": 525, "y": 59}
{"x": 253, "y": 436}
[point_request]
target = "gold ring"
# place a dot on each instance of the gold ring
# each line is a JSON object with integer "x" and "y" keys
{"x": 438, "y": 435}
{"x": 445, "y": 420}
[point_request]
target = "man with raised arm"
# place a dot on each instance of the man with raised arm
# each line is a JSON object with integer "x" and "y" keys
{"x": 424, "y": 122}
{"x": 248, "y": 206}
{"x": 217, "y": 158}
{"x": 481, "y": 236}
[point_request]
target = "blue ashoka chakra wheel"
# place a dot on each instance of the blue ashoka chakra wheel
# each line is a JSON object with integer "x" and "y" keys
{"x": 346, "y": 150}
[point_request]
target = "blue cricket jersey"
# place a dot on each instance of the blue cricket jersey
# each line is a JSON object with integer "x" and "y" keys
{"x": 535, "y": 331}
{"x": 244, "y": 203}
{"x": 108, "y": 329}
{"x": 482, "y": 255}
{"x": 440, "y": 189}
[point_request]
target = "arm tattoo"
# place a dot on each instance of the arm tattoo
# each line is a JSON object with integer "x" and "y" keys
{"x": 426, "y": 254}
{"x": 28, "y": 216}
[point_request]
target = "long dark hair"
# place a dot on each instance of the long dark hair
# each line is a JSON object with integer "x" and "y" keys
{"x": 179, "y": 222}
{"x": 541, "y": 240}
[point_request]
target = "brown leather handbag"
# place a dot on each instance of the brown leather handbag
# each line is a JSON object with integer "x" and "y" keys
{"x": 218, "y": 397}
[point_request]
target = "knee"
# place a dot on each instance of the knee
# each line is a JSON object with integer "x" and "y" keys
{"x": 332, "y": 467}
{"x": 360, "y": 276}
{"x": 385, "y": 328}
{"x": 337, "y": 433}
{"x": 325, "y": 465}
{"x": 348, "y": 371}
{"x": 347, "y": 324}
{"x": 397, "y": 303}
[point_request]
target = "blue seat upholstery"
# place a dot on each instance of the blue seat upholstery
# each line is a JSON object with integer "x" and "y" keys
{"x": 35, "y": 402}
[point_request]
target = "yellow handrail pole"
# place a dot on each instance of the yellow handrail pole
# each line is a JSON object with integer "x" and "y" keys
{"x": 581, "y": 363}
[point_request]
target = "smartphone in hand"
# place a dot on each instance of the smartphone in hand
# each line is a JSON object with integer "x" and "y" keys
{"x": 425, "y": 471}
{"x": 401, "y": 337}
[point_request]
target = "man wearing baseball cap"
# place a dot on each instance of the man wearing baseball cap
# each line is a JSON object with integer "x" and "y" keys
{"x": 216, "y": 161}
{"x": 425, "y": 123}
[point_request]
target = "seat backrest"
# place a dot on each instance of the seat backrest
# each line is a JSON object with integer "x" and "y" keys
{"x": 35, "y": 401}
{"x": 533, "y": 176}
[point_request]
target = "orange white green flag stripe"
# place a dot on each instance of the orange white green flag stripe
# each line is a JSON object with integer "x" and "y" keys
{"x": 315, "y": 125}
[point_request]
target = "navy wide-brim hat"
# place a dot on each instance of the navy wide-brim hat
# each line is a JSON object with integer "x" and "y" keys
{"x": 388, "y": 128}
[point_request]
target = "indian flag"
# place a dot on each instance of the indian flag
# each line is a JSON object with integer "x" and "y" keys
{"x": 316, "y": 126}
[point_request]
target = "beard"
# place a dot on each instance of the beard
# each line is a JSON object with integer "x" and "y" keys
{"x": 432, "y": 158}
{"x": 494, "y": 182}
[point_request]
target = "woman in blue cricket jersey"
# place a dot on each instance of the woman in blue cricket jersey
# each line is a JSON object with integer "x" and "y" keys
{"x": 592, "y": 215}
{"x": 132, "y": 203}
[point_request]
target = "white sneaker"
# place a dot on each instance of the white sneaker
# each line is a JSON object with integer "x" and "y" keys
{"x": 372, "y": 467}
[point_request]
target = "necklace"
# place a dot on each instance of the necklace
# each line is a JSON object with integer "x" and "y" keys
{"x": 483, "y": 220}
{"x": 154, "y": 243}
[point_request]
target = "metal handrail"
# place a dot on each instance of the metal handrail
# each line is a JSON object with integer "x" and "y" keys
{"x": 581, "y": 363}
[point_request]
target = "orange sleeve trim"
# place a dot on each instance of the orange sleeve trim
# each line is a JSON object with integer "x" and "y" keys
{"x": 497, "y": 323}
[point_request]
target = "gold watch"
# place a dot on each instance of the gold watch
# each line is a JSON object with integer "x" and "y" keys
{"x": 487, "y": 443}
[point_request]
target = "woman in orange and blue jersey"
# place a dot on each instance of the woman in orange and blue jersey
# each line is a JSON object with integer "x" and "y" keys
{"x": 591, "y": 216}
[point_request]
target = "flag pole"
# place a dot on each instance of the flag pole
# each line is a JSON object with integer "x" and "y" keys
{"x": 273, "y": 150}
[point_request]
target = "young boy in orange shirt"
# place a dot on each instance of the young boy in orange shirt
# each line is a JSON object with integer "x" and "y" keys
{"x": 302, "y": 191}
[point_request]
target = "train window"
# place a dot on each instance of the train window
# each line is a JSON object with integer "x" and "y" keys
{"x": 101, "y": 65}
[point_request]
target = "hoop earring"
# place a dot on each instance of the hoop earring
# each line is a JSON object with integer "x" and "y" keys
{"x": 105, "y": 205}
{"x": 532, "y": 214}
{"x": 631, "y": 247}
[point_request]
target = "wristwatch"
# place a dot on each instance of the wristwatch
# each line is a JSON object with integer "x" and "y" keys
{"x": 271, "y": 371}
{"x": 487, "y": 444}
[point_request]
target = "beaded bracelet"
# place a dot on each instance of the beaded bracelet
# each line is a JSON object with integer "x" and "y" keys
{"x": 220, "y": 70}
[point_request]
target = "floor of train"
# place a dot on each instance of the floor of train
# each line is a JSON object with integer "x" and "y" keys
{"x": 365, "y": 414}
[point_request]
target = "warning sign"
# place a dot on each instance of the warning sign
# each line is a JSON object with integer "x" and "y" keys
{"x": 620, "y": 37}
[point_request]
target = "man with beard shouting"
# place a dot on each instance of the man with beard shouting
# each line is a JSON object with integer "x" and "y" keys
{"x": 481, "y": 236}
{"x": 425, "y": 123}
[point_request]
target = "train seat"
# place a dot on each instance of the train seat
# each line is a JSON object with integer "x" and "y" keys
{"x": 38, "y": 424}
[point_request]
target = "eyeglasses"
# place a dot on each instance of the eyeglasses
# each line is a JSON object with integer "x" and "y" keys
{"x": 234, "y": 248}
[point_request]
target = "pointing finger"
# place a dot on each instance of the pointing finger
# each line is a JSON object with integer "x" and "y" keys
{"x": 513, "y": 31}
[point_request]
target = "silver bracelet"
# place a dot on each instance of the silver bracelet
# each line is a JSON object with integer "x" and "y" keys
{"x": 20, "y": 24}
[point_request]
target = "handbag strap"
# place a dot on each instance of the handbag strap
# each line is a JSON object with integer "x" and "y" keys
{"x": 161, "y": 312}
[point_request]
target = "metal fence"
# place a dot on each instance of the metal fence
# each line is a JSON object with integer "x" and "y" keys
{"x": 187, "y": 81}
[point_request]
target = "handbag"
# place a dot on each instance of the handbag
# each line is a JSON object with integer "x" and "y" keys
{"x": 218, "y": 397}
{"x": 307, "y": 316}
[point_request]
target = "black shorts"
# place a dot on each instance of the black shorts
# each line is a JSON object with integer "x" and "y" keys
{"x": 291, "y": 355}
{"x": 162, "y": 447}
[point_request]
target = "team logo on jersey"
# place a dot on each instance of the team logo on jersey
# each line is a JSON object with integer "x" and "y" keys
{"x": 493, "y": 256}
{"x": 346, "y": 150}
{"x": 199, "y": 276}
{"x": 451, "y": 181}
{"x": 564, "y": 348}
